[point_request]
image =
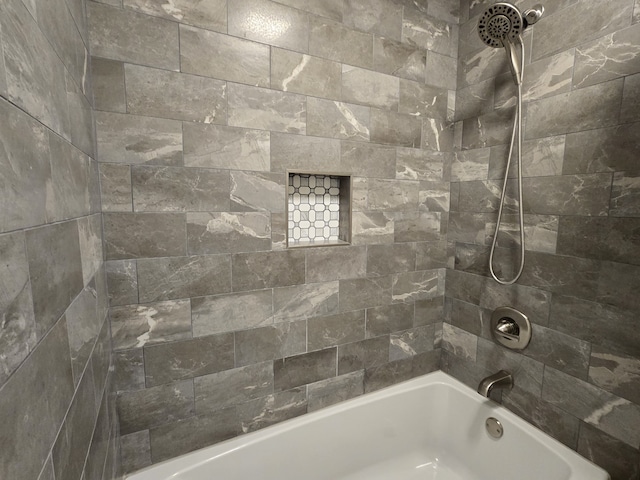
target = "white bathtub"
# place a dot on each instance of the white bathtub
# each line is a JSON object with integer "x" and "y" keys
{"x": 429, "y": 428}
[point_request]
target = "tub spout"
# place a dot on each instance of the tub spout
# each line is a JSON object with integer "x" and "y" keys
{"x": 502, "y": 379}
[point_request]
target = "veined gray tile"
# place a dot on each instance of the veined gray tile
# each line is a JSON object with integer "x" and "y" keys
{"x": 115, "y": 187}
{"x": 625, "y": 195}
{"x": 3, "y": 76}
{"x": 605, "y": 150}
{"x": 423, "y": 165}
{"x": 470, "y": 318}
{"x": 400, "y": 370}
{"x": 553, "y": 35}
{"x": 254, "y": 107}
{"x": 270, "y": 342}
{"x": 211, "y": 14}
{"x": 393, "y": 258}
{"x": 131, "y": 37}
{"x": 418, "y": 226}
{"x": 300, "y": 73}
{"x": 370, "y": 88}
{"x": 364, "y": 354}
{"x": 188, "y": 358}
{"x": 327, "y": 264}
{"x": 128, "y": 370}
{"x": 35, "y": 76}
{"x": 258, "y": 191}
{"x": 134, "y": 326}
{"x": 122, "y": 282}
{"x": 232, "y": 387}
{"x": 25, "y": 165}
{"x": 430, "y": 255}
{"x": 372, "y": 227}
{"x": 541, "y": 157}
{"x": 475, "y": 100}
{"x": 138, "y": 140}
{"x": 399, "y": 59}
{"x": 324, "y": 332}
{"x": 393, "y": 128}
{"x": 253, "y": 271}
{"x": 459, "y": 342}
{"x": 422, "y": 100}
{"x": 587, "y": 108}
{"x": 170, "y": 189}
{"x": 387, "y": 319}
{"x": 217, "y": 146}
{"x": 411, "y": 342}
{"x": 80, "y": 115}
{"x": 305, "y": 301}
{"x": 306, "y": 368}
{"x": 533, "y": 301}
{"x": 369, "y": 160}
{"x": 444, "y": 10}
{"x": 429, "y": 33}
{"x": 615, "y": 372}
{"x": 480, "y": 65}
{"x": 228, "y": 313}
{"x": 609, "y": 413}
{"x": 469, "y": 227}
{"x": 137, "y": 235}
{"x": 470, "y": 165}
{"x": 326, "y": 8}
{"x": 603, "y": 238}
{"x": 55, "y": 270}
{"x": 326, "y": 118}
{"x": 224, "y": 57}
{"x": 16, "y": 304}
{"x": 381, "y": 17}
{"x": 135, "y": 451}
{"x": 636, "y": 12}
{"x": 441, "y": 71}
{"x": 279, "y": 225}
{"x": 359, "y": 193}
{"x": 359, "y": 293}
{"x": 227, "y": 232}
{"x": 302, "y": 153}
{"x": 334, "y": 41}
{"x": 159, "y": 93}
{"x": 437, "y": 134}
{"x": 151, "y": 407}
{"x": 630, "y": 103}
{"x": 272, "y": 409}
{"x": 464, "y": 286}
{"x": 182, "y": 277}
{"x": 540, "y": 232}
{"x": 334, "y": 390}
{"x": 487, "y": 130}
{"x": 560, "y": 351}
{"x": 421, "y": 285}
{"x": 619, "y": 459}
{"x": 393, "y": 195}
{"x": 617, "y": 284}
{"x": 83, "y": 328}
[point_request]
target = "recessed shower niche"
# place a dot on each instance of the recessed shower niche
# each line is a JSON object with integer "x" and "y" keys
{"x": 318, "y": 209}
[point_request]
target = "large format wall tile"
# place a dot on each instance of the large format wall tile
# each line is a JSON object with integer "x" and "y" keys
{"x": 336, "y": 42}
{"x": 211, "y": 15}
{"x": 300, "y": 73}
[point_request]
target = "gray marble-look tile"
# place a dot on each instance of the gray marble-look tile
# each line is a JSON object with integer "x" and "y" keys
{"x": 390, "y": 318}
{"x": 324, "y": 332}
{"x": 327, "y": 264}
{"x": 464, "y": 286}
{"x": 391, "y": 128}
{"x": 260, "y": 108}
{"x": 252, "y": 271}
{"x": 625, "y": 195}
{"x": 411, "y": 342}
{"x": 423, "y": 165}
{"x": 217, "y": 146}
{"x": 480, "y": 65}
{"x": 419, "y": 226}
{"x": 134, "y": 326}
{"x": 534, "y": 302}
{"x": 430, "y": 255}
{"x": 155, "y": 406}
{"x": 224, "y": 57}
{"x": 228, "y": 232}
{"x": 334, "y": 41}
{"x": 305, "y": 153}
{"x": 609, "y": 413}
{"x": 188, "y": 358}
{"x": 138, "y": 140}
{"x": 131, "y": 37}
{"x": 228, "y": 313}
{"x": 399, "y": 59}
{"x": 429, "y": 33}
{"x": 617, "y": 285}
{"x": 211, "y": 14}
{"x": 636, "y": 12}
{"x": 468, "y": 165}
{"x": 326, "y": 118}
{"x": 287, "y": 27}
{"x": 422, "y": 285}
{"x": 380, "y": 17}
{"x": 171, "y": 189}
{"x": 541, "y": 157}
{"x": 475, "y": 100}
{"x": 493, "y": 128}
{"x": 183, "y": 277}
{"x": 257, "y": 191}
{"x": 400, "y": 370}
{"x": 138, "y": 235}
{"x": 180, "y": 96}
{"x": 83, "y": 327}
{"x": 279, "y": 225}
{"x": 122, "y": 282}
{"x": 270, "y": 342}
{"x": 619, "y": 459}
{"x": 393, "y": 258}
{"x": 135, "y": 451}
{"x": 368, "y": 160}
{"x": 55, "y": 270}
{"x": 300, "y": 73}
{"x": 630, "y": 99}
{"x": 47, "y": 472}
{"x": 421, "y": 100}
{"x": 459, "y": 342}
{"x": 441, "y": 71}
{"x": 615, "y": 372}
{"x": 393, "y": 195}
{"x": 437, "y": 134}
{"x": 91, "y": 254}
{"x": 115, "y": 187}
{"x": 128, "y": 370}
{"x": 560, "y": 351}
{"x": 306, "y": 368}
{"x": 305, "y": 301}
{"x": 372, "y": 227}
{"x": 334, "y": 390}
{"x": 80, "y": 116}
{"x": 540, "y": 232}
{"x": 19, "y": 328}
{"x": 371, "y": 88}
{"x": 364, "y": 354}
{"x": 272, "y": 409}
{"x": 588, "y": 108}
{"x": 470, "y": 318}
{"x": 232, "y": 387}
{"x": 184, "y": 436}
{"x": 359, "y": 293}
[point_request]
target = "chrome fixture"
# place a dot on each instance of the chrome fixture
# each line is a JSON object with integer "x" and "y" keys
{"x": 510, "y": 328}
{"x": 501, "y": 26}
{"x": 494, "y": 427}
{"x": 502, "y": 379}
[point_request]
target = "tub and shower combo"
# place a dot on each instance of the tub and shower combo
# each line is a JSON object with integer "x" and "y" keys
{"x": 429, "y": 428}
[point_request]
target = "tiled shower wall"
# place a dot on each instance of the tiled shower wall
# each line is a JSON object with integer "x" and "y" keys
{"x": 579, "y": 380}
{"x": 55, "y": 403}
{"x": 202, "y": 107}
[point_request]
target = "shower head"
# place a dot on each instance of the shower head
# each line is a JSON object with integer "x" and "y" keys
{"x": 499, "y": 24}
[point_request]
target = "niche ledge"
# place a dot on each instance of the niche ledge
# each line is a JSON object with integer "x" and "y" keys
{"x": 318, "y": 209}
